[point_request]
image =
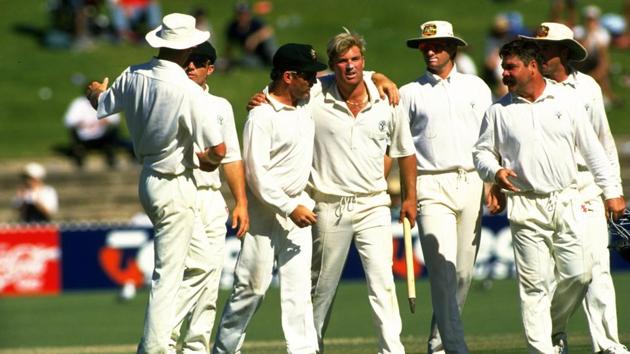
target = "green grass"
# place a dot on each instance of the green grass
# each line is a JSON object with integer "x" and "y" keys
{"x": 29, "y": 126}
{"x": 95, "y": 322}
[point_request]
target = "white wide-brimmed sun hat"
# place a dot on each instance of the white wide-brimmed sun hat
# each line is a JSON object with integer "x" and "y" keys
{"x": 563, "y": 35}
{"x": 433, "y": 30}
{"x": 177, "y": 31}
{"x": 34, "y": 170}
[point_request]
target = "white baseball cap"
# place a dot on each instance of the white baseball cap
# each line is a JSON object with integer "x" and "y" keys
{"x": 34, "y": 170}
{"x": 177, "y": 31}
{"x": 557, "y": 32}
{"x": 432, "y": 30}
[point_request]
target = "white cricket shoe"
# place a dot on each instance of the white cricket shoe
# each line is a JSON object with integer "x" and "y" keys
{"x": 620, "y": 349}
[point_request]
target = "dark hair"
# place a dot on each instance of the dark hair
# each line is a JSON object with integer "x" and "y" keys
{"x": 526, "y": 50}
{"x": 276, "y": 74}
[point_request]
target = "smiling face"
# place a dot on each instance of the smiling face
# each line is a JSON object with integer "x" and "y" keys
{"x": 438, "y": 55}
{"x": 348, "y": 67}
{"x": 516, "y": 74}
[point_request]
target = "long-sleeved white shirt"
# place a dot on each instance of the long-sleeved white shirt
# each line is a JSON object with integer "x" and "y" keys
{"x": 166, "y": 115}
{"x": 590, "y": 95}
{"x": 277, "y": 151}
{"x": 538, "y": 140}
{"x": 225, "y": 119}
{"x": 349, "y": 151}
{"x": 445, "y": 116}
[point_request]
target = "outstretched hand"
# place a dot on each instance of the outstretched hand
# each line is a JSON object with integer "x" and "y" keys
{"x": 502, "y": 178}
{"x": 94, "y": 90}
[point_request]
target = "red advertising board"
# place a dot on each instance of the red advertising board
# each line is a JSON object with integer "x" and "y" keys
{"x": 30, "y": 260}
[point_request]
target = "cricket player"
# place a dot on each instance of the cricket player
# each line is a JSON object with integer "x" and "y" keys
{"x": 559, "y": 49}
{"x": 527, "y": 145}
{"x": 196, "y": 317}
{"x": 354, "y": 129}
{"x": 278, "y": 150}
{"x": 445, "y": 110}
{"x": 167, "y": 117}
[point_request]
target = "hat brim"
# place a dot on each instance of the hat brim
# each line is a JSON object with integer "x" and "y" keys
{"x": 576, "y": 51}
{"x": 310, "y": 68}
{"x": 197, "y": 37}
{"x": 415, "y": 42}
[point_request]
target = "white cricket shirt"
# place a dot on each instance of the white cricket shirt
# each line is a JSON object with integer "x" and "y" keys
{"x": 445, "y": 116}
{"x": 277, "y": 151}
{"x": 538, "y": 141}
{"x": 166, "y": 114}
{"x": 349, "y": 151}
{"x": 225, "y": 119}
{"x": 590, "y": 95}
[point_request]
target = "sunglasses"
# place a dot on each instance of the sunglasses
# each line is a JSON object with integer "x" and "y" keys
{"x": 307, "y": 76}
{"x": 432, "y": 46}
{"x": 198, "y": 61}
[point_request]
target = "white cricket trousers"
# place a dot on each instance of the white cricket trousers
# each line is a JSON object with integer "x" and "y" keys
{"x": 169, "y": 201}
{"x": 600, "y": 303}
{"x": 449, "y": 218}
{"x": 197, "y": 298}
{"x": 546, "y": 230}
{"x": 271, "y": 237}
{"x": 366, "y": 220}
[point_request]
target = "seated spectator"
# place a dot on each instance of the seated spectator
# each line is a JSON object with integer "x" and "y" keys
{"x": 34, "y": 200}
{"x": 596, "y": 39}
{"x": 128, "y": 16}
{"x": 89, "y": 133}
{"x": 252, "y": 36}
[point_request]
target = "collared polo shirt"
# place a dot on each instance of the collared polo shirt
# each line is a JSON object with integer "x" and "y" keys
{"x": 445, "y": 116}
{"x": 225, "y": 119}
{"x": 166, "y": 114}
{"x": 277, "y": 151}
{"x": 538, "y": 141}
{"x": 349, "y": 151}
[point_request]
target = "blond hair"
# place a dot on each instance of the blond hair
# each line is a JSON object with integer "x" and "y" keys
{"x": 341, "y": 43}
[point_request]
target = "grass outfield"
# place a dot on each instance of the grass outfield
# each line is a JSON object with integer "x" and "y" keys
{"x": 37, "y": 83}
{"x": 94, "y": 322}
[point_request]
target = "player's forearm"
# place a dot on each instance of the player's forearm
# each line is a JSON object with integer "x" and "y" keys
{"x": 235, "y": 176}
{"x": 407, "y": 166}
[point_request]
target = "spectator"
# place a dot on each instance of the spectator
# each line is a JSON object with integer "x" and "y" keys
{"x": 506, "y": 27}
{"x": 89, "y": 133}
{"x": 596, "y": 39}
{"x": 252, "y": 36}
{"x": 498, "y": 35}
{"x": 128, "y": 16}
{"x": 564, "y": 11}
{"x": 34, "y": 200}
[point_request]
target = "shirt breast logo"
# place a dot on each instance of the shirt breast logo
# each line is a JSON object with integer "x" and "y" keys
{"x": 220, "y": 120}
{"x": 587, "y": 107}
{"x": 381, "y": 126}
{"x": 559, "y": 115}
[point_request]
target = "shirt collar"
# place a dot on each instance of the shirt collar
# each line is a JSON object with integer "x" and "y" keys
{"x": 550, "y": 91}
{"x": 277, "y": 105}
{"x": 434, "y": 79}
{"x": 331, "y": 93}
{"x": 169, "y": 66}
